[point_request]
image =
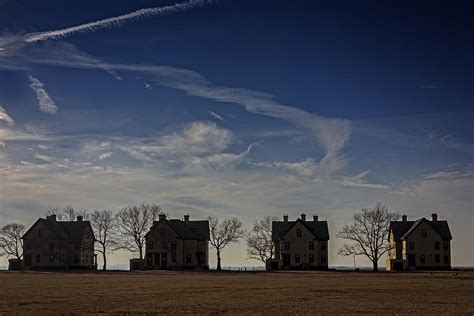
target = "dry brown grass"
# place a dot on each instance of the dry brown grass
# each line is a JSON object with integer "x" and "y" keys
{"x": 237, "y": 293}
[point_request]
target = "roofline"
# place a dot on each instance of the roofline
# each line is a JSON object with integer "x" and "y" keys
{"x": 306, "y": 226}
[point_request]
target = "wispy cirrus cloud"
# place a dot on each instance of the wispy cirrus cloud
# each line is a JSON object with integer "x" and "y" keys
{"x": 10, "y": 44}
{"x": 46, "y": 104}
{"x": 114, "y": 21}
{"x": 5, "y": 117}
{"x": 359, "y": 181}
{"x": 331, "y": 133}
{"x": 217, "y": 116}
{"x": 105, "y": 155}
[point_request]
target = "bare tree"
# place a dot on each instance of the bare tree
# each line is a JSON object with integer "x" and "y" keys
{"x": 55, "y": 211}
{"x": 104, "y": 226}
{"x": 11, "y": 244}
{"x": 67, "y": 214}
{"x": 368, "y": 233}
{"x": 224, "y": 233}
{"x": 133, "y": 224}
{"x": 259, "y": 241}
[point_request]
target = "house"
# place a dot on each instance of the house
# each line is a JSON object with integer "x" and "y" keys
{"x": 177, "y": 244}
{"x": 300, "y": 244}
{"x": 420, "y": 244}
{"x": 52, "y": 244}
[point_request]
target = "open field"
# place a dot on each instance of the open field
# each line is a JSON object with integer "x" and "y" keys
{"x": 233, "y": 292}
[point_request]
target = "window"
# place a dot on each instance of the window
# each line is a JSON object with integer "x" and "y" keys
{"x": 61, "y": 258}
{"x": 297, "y": 258}
{"x": 150, "y": 245}
{"x": 311, "y": 258}
{"x": 298, "y": 233}
{"x": 437, "y": 245}
{"x": 51, "y": 258}
{"x": 423, "y": 233}
{"x": 287, "y": 246}
{"x": 422, "y": 258}
{"x": 323, "y": 246}
{"x": 323, "y": 259}
{"x": 173, "y": 257}
{"x": 311, "y": 245}
{"x": 51, "y": 246}
{"x": 40, "y": 233}
{"x": 164, "y": 245}
{"x": 437, "y": 258}
{"x": 173, "y": 245}
{"x": 446, "y": 245}
{"x": 76, "y": 259}
{"x": 92, "y": 260}
{"x": 412, "y": 245}
{"x": 38, "y": 258}
{"x": 446, "y": 259}
{"x": 188, "y": 258}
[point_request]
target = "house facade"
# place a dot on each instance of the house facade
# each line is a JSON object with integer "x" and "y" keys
{"x": 177, "y": 244}
{"x": 420, "y": 244}
{"x": 52, "y": 244}
{"x": 299, "y": 244}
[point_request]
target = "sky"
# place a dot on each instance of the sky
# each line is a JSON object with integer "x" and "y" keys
{"x": 239, "y": 109}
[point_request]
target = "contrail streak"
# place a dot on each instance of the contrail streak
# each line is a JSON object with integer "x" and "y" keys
{"x": 114, "y": 21}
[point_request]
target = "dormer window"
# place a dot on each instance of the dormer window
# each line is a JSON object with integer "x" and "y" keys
{"x": 423, "y": 233}
{"x": 298, "y": 233}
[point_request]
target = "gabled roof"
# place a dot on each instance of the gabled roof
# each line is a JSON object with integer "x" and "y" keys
{"x": 318, "y": 228}
{"x": 401, "y": 229}
{"x": 60, "y": 230}
{"x": 188, "y": 229}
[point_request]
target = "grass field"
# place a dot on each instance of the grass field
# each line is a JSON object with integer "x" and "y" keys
{"x": 237, "y": 293}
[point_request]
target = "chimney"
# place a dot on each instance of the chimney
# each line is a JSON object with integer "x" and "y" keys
{"x": 51, "y": 217}
{"x": 315, "y": 218}
{"x": 285, "y": 218}
{"x": 434, "y": 217}
{"x": 186, "y": 218}
{"x": 162, "y": 217}
{"x": 303, "y": 217}
{"x": 404, "y": 218}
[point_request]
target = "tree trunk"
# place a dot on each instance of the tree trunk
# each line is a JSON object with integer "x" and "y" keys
{"x": 375, "y": 265}
{"x": 141, "y": 253}
{"x": 218, "y": 260}
{"x": 104, "y": 257}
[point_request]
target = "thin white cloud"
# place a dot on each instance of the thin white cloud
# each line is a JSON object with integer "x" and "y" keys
{"x": 359, "y": 181}
{"x": 105, "y": 155}
{"x": 5, "y": 117}
{"x": 46, "y": 104}
{"x": 217, "y": 116}
{"x": 114, "y": 21}
{"x": 331, "y": 133}
{"x": 306, "y": 168}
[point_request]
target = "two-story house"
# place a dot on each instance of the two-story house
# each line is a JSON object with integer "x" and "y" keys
{"x": 52, "y": 244}
{"x": 420, "y": 244}
{"x": 177, "y": 244}
{"x": 300, "y": 244}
